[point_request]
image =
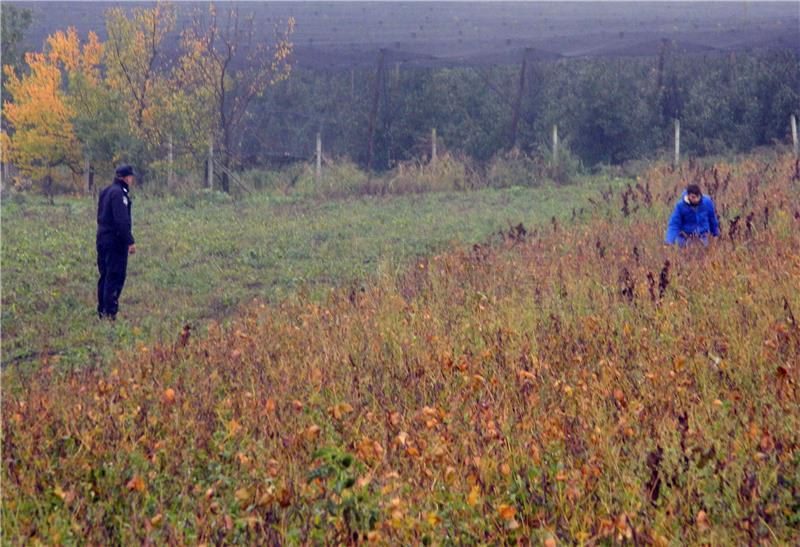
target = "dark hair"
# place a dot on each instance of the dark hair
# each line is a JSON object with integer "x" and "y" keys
{"x": 694, "y": 189}
{"x": 124, "y": 171}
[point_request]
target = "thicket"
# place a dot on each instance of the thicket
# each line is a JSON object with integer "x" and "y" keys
{"x": 609, "y": 110}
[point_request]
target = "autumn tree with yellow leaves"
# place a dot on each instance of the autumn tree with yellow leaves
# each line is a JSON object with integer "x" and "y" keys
{"x": 62, "y": 115}
{"x": 138, "y": 68}
{"x": 126, "y": 99}
{"x": 40, "y": 138}
{"x": 98, "y": 108}
{"x": 225, "y": 66}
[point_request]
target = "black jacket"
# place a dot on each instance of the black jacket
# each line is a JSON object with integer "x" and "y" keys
{"x": 114, "y": 214}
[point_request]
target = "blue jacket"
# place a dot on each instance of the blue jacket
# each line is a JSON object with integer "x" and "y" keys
{"x": 690, "y": 220}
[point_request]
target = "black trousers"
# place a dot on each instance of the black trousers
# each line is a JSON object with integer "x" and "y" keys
{"x": 112, "y": 262}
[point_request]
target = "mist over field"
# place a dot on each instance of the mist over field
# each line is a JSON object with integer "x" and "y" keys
{"x": 404, "y": 273}
{"x": 349, "y": 34}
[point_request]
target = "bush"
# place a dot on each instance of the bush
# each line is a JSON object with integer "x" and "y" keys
{"x": 282, "y": 180}
{"x": 339, "y": 179}
{"x": 343, "y": 178}
{"x": 569, "y": 164}
{"x": 448, "y": 173}
{"x": 515, "y": 168}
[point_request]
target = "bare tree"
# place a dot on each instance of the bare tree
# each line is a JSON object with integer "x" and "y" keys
{"x": 227, "y": 66}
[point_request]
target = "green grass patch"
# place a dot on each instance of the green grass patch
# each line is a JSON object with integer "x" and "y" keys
{"x": 199, "y": 258}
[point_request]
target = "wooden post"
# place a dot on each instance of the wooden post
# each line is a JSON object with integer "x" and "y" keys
{"x": 211, "y": 163}
{"x": 433, "y": 145}
{"x": 374, "y": 112}
{"x": 319, "y": 157}
{"x": 170, "y": 173}
{"x": 555, "y": 145}
{"x": 518, "y": 100}
{"x": 396, "y": 72}
{"x": 87, "y": 185}
{"x": 794, "y": 137}
{"x": 677, "y": 143}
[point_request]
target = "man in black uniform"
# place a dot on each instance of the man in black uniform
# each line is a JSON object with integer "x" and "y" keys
{"x": 114, "y": 241}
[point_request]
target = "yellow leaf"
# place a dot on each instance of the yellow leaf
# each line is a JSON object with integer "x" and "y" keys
{"x": 242, "y": 495}
{"x": 401, "y": 438}
{"x": 506, "y": 512}
{"x": 525, "y": 375}
{"x": 340, "y": 410}
{"x": 313, "y": 432}
{"x": 136, "y": 484}
{"x": 233, "y": 428}
{"x": 702, "y": 521}
{"x": 266, "y": 499}
{"x": 474, "y": 495}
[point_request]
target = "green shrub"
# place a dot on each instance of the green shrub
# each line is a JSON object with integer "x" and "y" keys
{"x": 447, "y": 173}
{"x": 515, "y": 168}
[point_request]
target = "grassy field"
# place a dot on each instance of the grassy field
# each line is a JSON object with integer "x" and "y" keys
{"x": 199, "y": 259}
{"x": 583, "y": 385}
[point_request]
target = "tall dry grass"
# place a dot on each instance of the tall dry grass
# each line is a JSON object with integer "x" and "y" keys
{"x": 578, "y": 385}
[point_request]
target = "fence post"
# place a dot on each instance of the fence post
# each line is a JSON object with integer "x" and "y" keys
{"x": 211, "y": 163}
{"x": 170, "y": 174}
{"x": 555, "y": 145}
{"x": 87, "y": 185}
{"x": 518, "y": 100}
{"x": 794, "y": 137}
{"x": 319, "y": 157}
{"x": 374, "y": 112}
{"x": 433, "y": 145}
{"x": 677, "y": 143}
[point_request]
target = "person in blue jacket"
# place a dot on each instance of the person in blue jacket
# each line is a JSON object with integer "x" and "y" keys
{"x": 693, "y": 219}
{"x": 114, "y": 241}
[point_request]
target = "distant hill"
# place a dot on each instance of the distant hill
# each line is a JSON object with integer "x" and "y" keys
{"x": 349, "y": 34}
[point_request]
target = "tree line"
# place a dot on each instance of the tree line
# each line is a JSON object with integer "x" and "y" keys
{"x": 83, "y": 105}
{"x": 609, "y": 110}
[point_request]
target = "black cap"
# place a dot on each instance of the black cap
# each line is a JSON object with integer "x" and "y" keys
{"x": 124, "y": 171}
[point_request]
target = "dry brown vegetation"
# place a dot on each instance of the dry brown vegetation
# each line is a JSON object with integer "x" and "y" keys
{"x": 576, "y": 384}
